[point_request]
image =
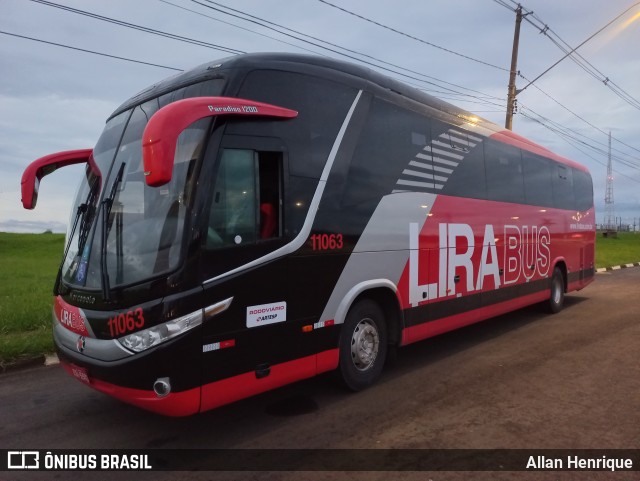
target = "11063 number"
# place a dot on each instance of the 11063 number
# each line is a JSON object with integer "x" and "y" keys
{"x": 126, "y": 322}
{"x": 326, "y": 242}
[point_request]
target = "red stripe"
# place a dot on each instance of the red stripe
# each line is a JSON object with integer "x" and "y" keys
{"x": 434, "y": 328}
{"x": 327, "y": 360}
{"x": 232, "y": 389}
{"x": 182, "y": 403}
{"x": 218, "y": 393}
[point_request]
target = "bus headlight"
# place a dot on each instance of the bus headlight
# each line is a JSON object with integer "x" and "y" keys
{"x": 142, "y": 340}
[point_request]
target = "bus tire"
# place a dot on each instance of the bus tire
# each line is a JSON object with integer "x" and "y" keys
{"x": 363, "y": 345}
{"x": 556, "y": 301}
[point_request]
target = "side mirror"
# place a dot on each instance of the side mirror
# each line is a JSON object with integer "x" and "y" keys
{"x": 44, "y": 166}
{"x": 161, "y": 133}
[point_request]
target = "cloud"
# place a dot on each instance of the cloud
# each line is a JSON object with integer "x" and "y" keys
{"x": 32, "y": 227}
{"x": 55, "y": 99}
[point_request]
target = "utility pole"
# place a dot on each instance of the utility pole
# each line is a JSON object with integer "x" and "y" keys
{"x": 511, "y": 96}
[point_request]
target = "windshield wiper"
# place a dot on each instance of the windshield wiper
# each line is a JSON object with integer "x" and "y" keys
{"x": 85, "y": 218}
{"x": 107, "y": 204}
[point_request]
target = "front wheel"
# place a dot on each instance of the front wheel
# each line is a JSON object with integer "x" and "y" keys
{"x": 557, "y": 291}
{"x": 363, "y": 345}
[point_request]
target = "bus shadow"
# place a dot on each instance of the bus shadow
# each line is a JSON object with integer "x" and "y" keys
{"x": 449, "y": 344}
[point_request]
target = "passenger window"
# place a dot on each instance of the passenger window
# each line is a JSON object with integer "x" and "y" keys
{"x": 537, "y": 179}
{"x": 247, "y": 199}
{"x": 503, "y": 164}
{"x": 583, "y": 190}
{"x": 563, "y": 188}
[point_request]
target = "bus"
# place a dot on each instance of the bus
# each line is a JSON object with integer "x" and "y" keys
{"x": 265, "y": 218}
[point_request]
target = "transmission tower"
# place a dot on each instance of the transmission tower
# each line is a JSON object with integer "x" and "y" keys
{"x": 609, "y": 211}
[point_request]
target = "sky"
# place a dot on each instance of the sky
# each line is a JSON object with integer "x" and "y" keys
{"x": 54, "y": 98}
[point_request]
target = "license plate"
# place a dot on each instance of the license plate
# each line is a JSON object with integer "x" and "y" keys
{"x": 81, "y": 374}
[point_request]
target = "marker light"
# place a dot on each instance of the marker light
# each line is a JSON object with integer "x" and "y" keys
{"x": 142, "y": 340}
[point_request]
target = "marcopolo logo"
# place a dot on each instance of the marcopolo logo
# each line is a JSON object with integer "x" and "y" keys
{"x": 266, "y": 314}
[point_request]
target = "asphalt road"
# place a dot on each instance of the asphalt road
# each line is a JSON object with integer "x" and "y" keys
{"x": 525, "y": 380}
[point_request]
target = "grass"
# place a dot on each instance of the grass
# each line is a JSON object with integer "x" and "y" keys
{"x": 613, "y": 251}
{"x": 29, "y": 263}
{"x": 28, "y": 267}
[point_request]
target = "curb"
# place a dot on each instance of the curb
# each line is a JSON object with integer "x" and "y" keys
{"x": 616, "y": 268}
{"x": 23, "y": 364}
{"x": 43, "y": 360}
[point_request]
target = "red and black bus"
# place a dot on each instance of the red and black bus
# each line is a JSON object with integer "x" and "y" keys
{"x": 268, "y": 217}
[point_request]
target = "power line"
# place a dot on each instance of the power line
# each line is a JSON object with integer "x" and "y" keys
{"x": 576, "y": 48}
{"x": 481, "y": 97}
{"x": 581, "y": 118}
{"x": 240, "y": 27}
{"x": 274, "y": 26}
{"x": 570, "y": 141}
{"x": 629, "y": 160}
{"x": 570, "y": 52}
{"x": 576, "y": 57}
{"x": 546, "y": 29}
{"x": 148, "y": 30}
{"x": 227, "y": 49}
{"x": 140, "y": 27}
{"x": 271, "y": 25}
{"x": 90, "y": 51}
{"x": 404, "y": 34}
{"x": 573, "y": 141}
{"x": 235, "y": 51}
{"x": 480, "y": 100}
{"x": 599, "y": 147}
{"x": 317, "y": 42}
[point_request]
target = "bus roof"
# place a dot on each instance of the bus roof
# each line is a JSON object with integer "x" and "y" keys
{"x": 346, "y": 72}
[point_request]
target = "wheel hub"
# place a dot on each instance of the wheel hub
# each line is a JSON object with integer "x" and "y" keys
{"x": 365, "y": 344}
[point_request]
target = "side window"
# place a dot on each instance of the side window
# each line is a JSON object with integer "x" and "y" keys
{"x": 503, "y": 164}
{"x": 537, "y": 179}
{"x": 321, "y": 105}
{"x": 247, "y": 199}
{"x": 468, "y": 178}
{"x": 583, "y": 190}
{"x": 390, "y": 155}
{"x": 563, "y": 188}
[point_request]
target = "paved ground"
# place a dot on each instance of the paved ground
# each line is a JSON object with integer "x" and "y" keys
{"x": 526, "y": 380}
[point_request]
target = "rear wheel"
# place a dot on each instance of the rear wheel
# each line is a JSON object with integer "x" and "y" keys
{"x": 556, "y": 300}
{"x": 363, "y": 345}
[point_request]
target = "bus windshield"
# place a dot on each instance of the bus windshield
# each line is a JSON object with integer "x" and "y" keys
{"x": 121, "y": 221}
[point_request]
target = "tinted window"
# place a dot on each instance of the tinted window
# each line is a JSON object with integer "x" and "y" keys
{"x": 583, "y": 190}
{"x": 563, "y": 187}
{"x": 202, "y": 89}
{"x": 404, "y": 150}
{"x": 537, "y": 179}
{"x": 390, "y": 155}
{"x": 322, "y": 106}
{"x": 468, "y": 177}
{"x": 503, "y": 166}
